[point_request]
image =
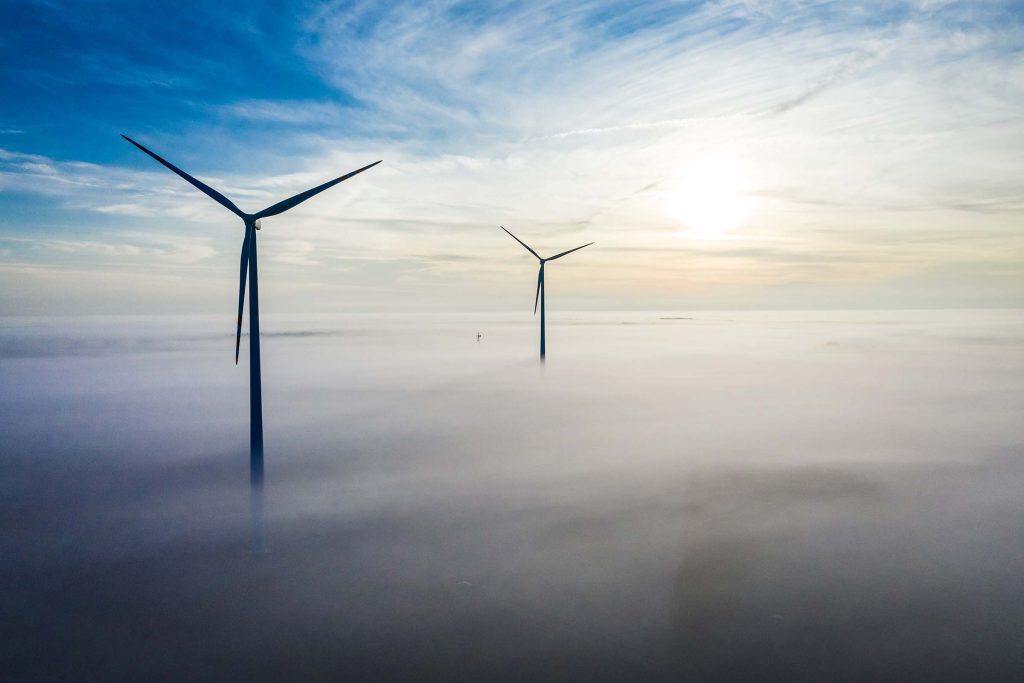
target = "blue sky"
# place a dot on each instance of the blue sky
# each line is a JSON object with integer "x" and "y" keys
{"x": 722, "y": 154}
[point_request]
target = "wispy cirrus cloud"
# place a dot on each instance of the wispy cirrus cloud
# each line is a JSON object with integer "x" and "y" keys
{"x": 134, "y": 248}
{"x": 287, "y": 112}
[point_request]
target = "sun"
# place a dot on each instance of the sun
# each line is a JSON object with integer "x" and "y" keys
{"x": 706, "y": 197}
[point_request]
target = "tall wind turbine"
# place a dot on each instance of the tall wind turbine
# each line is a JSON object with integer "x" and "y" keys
{"x": 252, "y": 224}
{"x": 540, "y": 282}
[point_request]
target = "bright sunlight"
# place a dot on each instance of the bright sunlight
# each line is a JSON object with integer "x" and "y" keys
{"x": 706, "y": 197}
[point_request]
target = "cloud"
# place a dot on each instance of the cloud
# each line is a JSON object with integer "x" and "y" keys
{"x": 137, "y": 248}
{"x": 290, "y": 112}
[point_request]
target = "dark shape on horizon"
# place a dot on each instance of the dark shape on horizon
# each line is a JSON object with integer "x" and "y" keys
{"x": 540, "y": 283}
{"x": 248, "y": 264}
{"x": 478, "y": 335}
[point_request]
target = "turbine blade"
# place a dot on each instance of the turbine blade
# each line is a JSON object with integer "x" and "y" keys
{"x": 283, "y": 206}
{"x": 540, "y": 281}
{"x": 552, "y": 258}
{"x": 206, "y": 189}
{"x": 520, "y": 242}
{"x": 241, "y": 288}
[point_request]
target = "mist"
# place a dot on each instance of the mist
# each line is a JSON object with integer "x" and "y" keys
{"x": 672, "y": 495}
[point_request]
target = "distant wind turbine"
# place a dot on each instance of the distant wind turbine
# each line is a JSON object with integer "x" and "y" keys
{"x": 252, "y": 224}
{"x": 540, "y": 282}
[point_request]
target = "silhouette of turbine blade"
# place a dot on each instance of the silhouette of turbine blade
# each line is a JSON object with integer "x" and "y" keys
{"x": 241, "y": 288}
{"x": 283, "y": 206}
{"x": 540, "y": 281}
{"x": 200, "y": 185}
{"x": 552, "y": 258}
{"x": 520, "y": 242}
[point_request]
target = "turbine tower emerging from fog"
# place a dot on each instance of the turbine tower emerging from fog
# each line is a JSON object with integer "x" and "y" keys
{"x": 540, "y": 283}
{"x": 248, "y": 264}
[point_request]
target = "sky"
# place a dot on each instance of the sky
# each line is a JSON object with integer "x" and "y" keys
{"x": 725, "y": 154}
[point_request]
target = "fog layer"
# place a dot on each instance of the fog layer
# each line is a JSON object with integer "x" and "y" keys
{"x": 705, "y": 496}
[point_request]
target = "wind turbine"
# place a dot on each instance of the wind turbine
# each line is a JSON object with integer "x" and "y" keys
{"x": 252, "y": 224}
{"x": 540, "y": 282}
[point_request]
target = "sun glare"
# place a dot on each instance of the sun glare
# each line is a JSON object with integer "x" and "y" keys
{"x": 706, "y": 198}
